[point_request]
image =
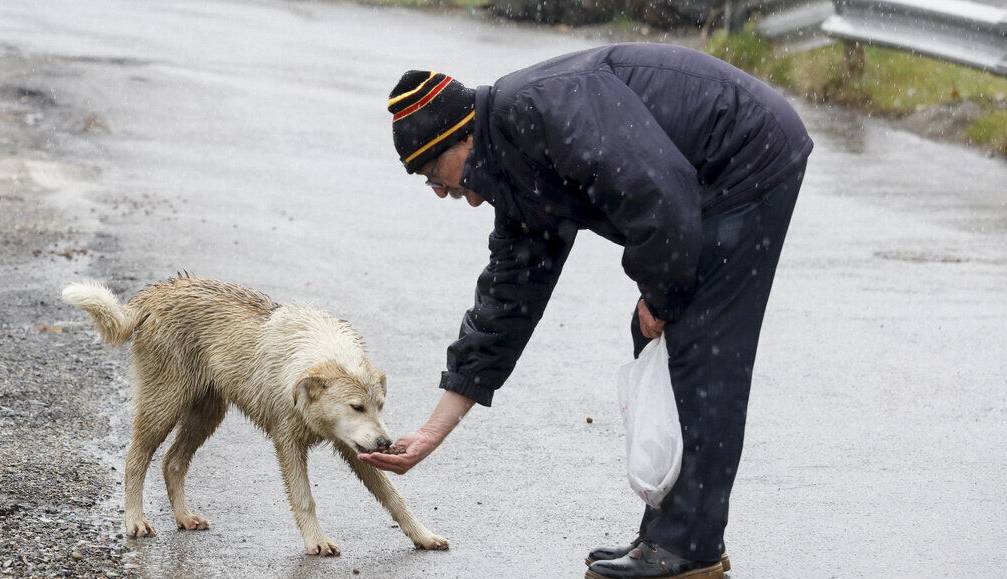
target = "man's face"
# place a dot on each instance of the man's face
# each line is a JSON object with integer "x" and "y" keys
{"x": 444, "y": 174}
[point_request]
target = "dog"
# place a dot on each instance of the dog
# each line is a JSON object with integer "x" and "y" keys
{"x": 299, "y": 374}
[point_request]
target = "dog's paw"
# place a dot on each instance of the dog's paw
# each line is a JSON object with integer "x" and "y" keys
{"x": 192, "y": 522}
{"x": 139, "y": 527}
{"x": 432, "y": 542}
{"x": 323, "y": 547}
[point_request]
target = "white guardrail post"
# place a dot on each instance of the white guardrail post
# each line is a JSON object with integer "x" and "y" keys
{"x": 965, "y": 32}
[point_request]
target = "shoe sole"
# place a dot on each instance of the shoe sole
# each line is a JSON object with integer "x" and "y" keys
{"x": 711, "y": 572}
{"x": 725, "y": 562}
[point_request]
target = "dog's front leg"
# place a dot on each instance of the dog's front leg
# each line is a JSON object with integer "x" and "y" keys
{"x": 293, "y": 459}
{"x": 377, "y": 482}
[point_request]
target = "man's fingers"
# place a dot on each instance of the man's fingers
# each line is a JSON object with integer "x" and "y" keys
{"x": 647, "y": 330}
{"x": 379, "y": 459}
{"x": 650, "y": 326}
{"x": 374, "y": 459}
{"x": 388, "y": 462}
{"x": 653, "y": 330}
{"x": 642, "y": 313}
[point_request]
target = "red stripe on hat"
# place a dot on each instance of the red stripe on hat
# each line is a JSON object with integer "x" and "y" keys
{"x": 423, "y": 101}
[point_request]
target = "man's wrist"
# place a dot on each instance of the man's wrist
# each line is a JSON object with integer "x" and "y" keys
{"x": 437, "y": 429}
{"x": 448, "y": 413}
{"x": 669, "y": 312}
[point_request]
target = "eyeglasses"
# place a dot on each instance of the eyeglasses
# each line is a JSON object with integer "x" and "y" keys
{"x": 432, "y": 181}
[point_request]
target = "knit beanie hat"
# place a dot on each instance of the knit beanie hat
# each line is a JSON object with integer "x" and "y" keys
{"x": 432, "y": 112}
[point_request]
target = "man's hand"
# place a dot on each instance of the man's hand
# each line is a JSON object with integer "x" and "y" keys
{"x": 650, "y": 326}
{"x": 418, "y": 446}
{"x": 448, "y": 413}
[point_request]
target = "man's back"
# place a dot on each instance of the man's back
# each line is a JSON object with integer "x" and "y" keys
{"x": 739, "y": 134}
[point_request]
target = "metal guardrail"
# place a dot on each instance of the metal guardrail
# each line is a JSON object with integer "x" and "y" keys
{"x": 798, "y": 25}
{"x": 956, "y": 30}
{"x": 781, "y": 12}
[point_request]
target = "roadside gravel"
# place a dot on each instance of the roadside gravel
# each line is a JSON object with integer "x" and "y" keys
{"x": 62, "y": 401}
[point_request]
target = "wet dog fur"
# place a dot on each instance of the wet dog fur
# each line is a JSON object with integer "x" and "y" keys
{"x": 299, "y": 374}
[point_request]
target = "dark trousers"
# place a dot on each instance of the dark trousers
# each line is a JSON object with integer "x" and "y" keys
{"x": 711, "y": 351}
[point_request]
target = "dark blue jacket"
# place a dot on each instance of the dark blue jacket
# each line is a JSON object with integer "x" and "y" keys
{"x": 636, "y": 142}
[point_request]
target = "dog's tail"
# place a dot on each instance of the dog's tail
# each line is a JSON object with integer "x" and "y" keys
{"x": 114, "y": 320}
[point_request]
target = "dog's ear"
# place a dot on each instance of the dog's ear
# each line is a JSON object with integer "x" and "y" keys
{"x": 379, "y": 377}
{"x": 311, "y": 387}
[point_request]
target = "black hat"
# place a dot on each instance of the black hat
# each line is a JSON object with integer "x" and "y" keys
{"x": 432, "y": 112}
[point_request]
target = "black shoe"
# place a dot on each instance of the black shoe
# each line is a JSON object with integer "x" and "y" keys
{"x": 609, "y": 553}
{"x": 646, "y": 561}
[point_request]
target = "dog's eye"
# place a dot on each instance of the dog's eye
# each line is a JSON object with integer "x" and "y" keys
{"x": 357, "y": 407}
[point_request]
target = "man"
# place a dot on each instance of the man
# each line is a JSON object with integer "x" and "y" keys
{"x": 688, "y": 163}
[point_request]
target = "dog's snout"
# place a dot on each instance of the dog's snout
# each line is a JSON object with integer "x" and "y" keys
{"x": 383, "y": 442}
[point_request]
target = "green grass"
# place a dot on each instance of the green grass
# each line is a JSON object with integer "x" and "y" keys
{"x": 624, "y": 23}
{"x": 893, "y": 82}
{"x": 749, "y": 51}
{"x": 991, "y": 130}
{"x": 469, "y": 4}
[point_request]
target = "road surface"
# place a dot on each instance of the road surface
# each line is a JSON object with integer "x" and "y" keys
{"x": 248, "y": 141}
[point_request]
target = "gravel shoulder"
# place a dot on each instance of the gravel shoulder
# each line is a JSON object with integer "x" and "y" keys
{"x": 62, "y": 398}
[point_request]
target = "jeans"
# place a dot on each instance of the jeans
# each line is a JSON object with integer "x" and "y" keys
{"x": 711, "y": 351}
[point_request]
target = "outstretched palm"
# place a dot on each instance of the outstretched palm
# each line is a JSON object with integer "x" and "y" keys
{"x": 418, "y": 446}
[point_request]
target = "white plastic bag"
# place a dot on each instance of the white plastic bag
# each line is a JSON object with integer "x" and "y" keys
{"x": 653, "y": 433}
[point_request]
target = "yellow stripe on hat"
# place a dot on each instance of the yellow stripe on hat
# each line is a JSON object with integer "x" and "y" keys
{"x": 440, "y": 137}
{"x": 404, "y": 95}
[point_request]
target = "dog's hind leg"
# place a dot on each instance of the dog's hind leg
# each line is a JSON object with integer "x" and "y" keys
{"x": 377, "y": 482}
{"x": 293, "y": 459}
{"x": 157, "y": 411}
{"x": 196, "y": 425}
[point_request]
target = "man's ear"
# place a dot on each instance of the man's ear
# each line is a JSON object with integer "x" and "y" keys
{"x": 310, "y": 387}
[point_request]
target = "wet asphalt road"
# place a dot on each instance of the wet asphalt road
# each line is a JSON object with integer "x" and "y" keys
{"x": 248, "y": 141}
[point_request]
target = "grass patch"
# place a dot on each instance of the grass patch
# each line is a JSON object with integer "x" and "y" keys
{"x": 749, "y": 51}
{"x": 893, "y": 82}
{"x": 990, "y": 130}
{"x": 468, "y": 4}
{"x": 624, "y": 23}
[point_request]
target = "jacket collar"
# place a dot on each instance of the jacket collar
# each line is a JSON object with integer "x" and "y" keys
{"x": 478, "y": 173}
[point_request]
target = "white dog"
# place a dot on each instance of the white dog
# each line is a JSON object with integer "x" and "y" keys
{"x": 297, "y": 373}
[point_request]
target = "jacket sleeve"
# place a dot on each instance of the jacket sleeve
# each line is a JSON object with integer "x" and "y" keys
{"x": 601, "y": 138}
{"x": 511, "y": 295}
